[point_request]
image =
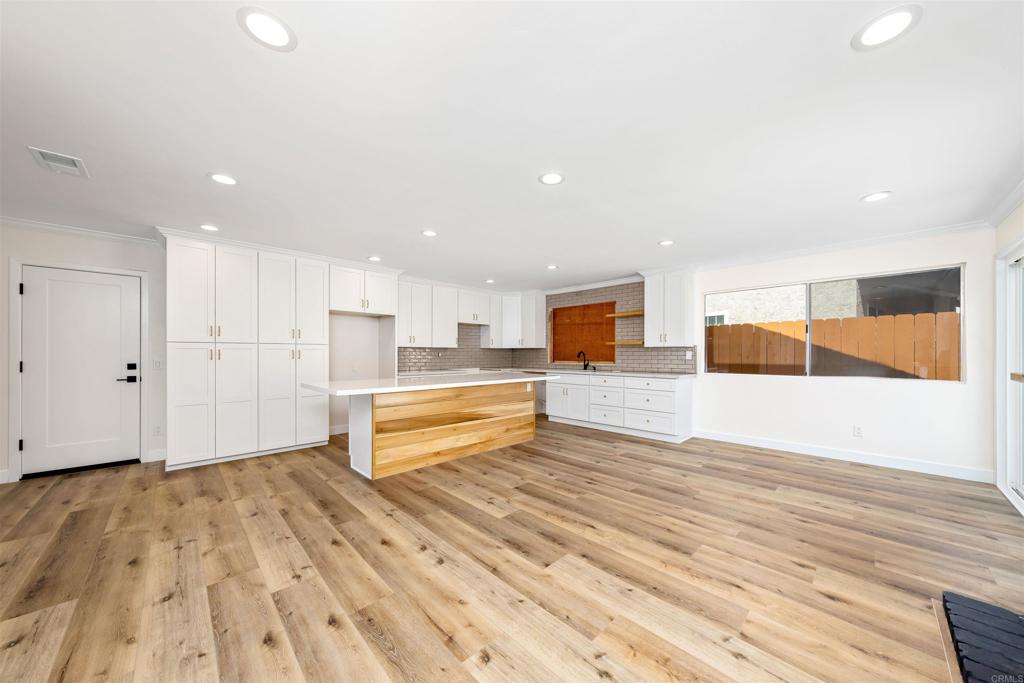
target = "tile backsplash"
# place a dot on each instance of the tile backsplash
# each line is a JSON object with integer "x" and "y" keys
{"x": 627, "y": 297}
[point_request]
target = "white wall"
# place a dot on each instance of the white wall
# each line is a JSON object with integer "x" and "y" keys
{"x": 932, "y": 426}
{"x": 35, "y": 245}
{"x": 1011, "y": 230}
{"x": 355, "y": 354}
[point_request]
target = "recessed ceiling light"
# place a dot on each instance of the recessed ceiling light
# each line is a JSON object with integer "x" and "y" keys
{"x": 886, "y": 27}
{"x": 552, "y": 267}
{"x": 551, "y": 179}
{"x": 429, "y": 233}
{"x": 373, "y": 258}
{"x": 223, "y": 179}
{"x": 209, "y": 228}
{"x": 665, "y": 243}
{"x": 489, "y": 281}
{"x": 266, "y": 29}
{"x": 876, "y": 196}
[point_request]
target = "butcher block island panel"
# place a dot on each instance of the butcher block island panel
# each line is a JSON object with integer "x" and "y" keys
{"x": 404, "y": 423}
{"x": 419, "y": 428}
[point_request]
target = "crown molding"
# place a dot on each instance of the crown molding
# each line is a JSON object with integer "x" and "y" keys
{"x": 844, "y": 246}
{"x": 630, "y": 279}
{"x": 29, "y": 224}
{"x": 1007, "y": 204}
{"x": 215, "y": 239}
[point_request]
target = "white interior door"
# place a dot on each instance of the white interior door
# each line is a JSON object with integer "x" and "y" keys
{"x": 237, "y": 399}
{"x": 1015, "y": 386}
{"x": 80, "y": 346}
{"x": 276, "y": 298}
{"x": 277, "y": 396}
{"x": 313, "y": 413}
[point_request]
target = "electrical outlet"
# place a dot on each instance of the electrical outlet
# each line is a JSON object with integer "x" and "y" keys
{"x": 158, "y": 430}
{"x": 858, "y": 431}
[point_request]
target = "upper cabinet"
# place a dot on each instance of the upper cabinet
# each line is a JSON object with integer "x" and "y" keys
{"x": 236, "y": 294}
{"x": 474, "y": 307}
{"x": 413, "y": 325}
{"x": 363, "y": 291}
{"x": 667, "y": 309}
{"x": 277, "y": 298}
{"x": 523, "y": 321}
{"x": 490, "y": 334}
{"x": 312, "y": 291}
{"x": 444, "y": 317}
{"x": 190, "y": 292}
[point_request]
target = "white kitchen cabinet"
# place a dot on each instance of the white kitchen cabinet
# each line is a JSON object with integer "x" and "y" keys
{"x": 380, "y": 290}
{"x": 312, "y": 288}
{"x": 474, "y": 307}
{"x": 534, "y": 321}
{"x": 667, "y": 309}
{"x": 237, "y": 294}
{"x": 276, "y": 298}
{"x": 413, "y": 324}
{"x": 490, "y": 335}
{"x": 511, "y": 321}
{"x": 363, "y": 291}
{"x": 191, "y": 409}
{"x": 313, "y": 409}
{"x": 570, "y": 401}
{"x": 190, "y": 301}
{"x": 237, "y": 415}
{"x": 444, "y": 323}
{"x": 277, "y": 385}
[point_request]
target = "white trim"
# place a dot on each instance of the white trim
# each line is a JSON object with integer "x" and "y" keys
{"x": 629, "y": 279}
{"x": 893, "y": 462}
{"x": 16, "y": 222}
{"x": 242, "y": 456}
{"x": 669, "y": 438}
{"x": 1007, "y": 204}
{"x": 216, "y": 239}
{"x": 14, "y": 464}
{"x": 1015, "y": 500}
{"x": 3, "y": 476}
{"x": 1003, "y": 337}
{"x": 155, "y": 455}
{"x": 768, "y": 257}
{"x": 339, "y": 429}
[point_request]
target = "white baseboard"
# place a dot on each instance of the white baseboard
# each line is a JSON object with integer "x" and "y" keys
{"x": 910, "y": 465}
{"x": 155, "y": 455}
{"x": 3, "y": 476}
{"x": 241, "y": 456}
{"x": 669, "y": 438}
{"x": 339, "y": 429}
{"x": 1014, "y": 499}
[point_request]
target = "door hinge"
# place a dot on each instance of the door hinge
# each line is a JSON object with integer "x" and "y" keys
{"x": 21, "y": 444}
{"x": 21, "y": 288}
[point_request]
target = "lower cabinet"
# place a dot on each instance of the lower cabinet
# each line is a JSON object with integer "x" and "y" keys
{"x": 237, "y": 416}
{"x": 568, "y": 400}
{"x": 277, "y": 396}
{"x": 191, "y": 402}
{"x": 313, "y": 409}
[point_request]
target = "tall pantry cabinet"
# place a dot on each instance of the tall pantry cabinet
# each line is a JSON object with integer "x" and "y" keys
{"x": 245, "y": 328}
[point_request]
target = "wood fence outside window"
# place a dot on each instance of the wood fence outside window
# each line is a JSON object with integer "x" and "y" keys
{"x": 925, "y": 345}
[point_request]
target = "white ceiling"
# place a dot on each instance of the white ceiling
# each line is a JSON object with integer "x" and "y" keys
{"x": 736, "y": 129}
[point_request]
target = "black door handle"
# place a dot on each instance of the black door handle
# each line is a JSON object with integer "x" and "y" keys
{"x": 129, "y": 379}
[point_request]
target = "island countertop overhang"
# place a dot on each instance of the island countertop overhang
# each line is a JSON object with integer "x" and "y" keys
{"x": 390, "y": 385}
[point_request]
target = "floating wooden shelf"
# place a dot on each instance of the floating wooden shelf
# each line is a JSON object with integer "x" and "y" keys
{"x": 625, "y": 343}
{"x": 624, "y": 314}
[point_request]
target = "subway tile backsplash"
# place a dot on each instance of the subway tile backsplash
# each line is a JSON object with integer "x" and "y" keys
{"x": 627, "y": 297}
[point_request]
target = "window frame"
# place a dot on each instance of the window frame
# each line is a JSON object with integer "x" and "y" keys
{"x": 962, "y": 265}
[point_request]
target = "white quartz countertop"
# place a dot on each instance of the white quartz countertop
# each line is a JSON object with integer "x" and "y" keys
{"x": 390, "y": 385}
{"x": 618, "y": 373}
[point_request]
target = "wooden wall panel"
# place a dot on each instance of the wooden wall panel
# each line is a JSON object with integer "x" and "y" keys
{"x": 947, "y": 346}
{"x": 584, "y": 328}
{"x": 924, "y": 345}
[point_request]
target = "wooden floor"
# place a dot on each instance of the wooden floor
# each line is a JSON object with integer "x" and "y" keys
{"x": 581, "y": 556}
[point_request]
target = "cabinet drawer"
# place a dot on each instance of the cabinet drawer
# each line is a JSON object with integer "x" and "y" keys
{"x": 570, "y": 378}
{"x": 605, "y": 397}
{"x": 606, "y": 416}
{"x": 662, "y": 401}
{"x": 652, "y": 383}
{"x": 651, "y": 422}
{"x": 605, "y": 381}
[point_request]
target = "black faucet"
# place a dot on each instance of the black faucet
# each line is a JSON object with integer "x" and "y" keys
{"x": 586, "y": 363}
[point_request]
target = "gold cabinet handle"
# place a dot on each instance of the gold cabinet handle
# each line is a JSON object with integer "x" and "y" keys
{"x": 293, "y": 333}
{"x": 1017, "y": 376}
{"x": 218, "y": 354}
{"x": 211, "y": 354}
{"x": 300, "y": 333}
{"x": 299, "y": 352}
{"x": 211, "y": 330}
{"x": 218, "y": 330}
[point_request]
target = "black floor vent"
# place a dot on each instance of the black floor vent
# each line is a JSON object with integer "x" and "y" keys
{"x": 989, "y": 640}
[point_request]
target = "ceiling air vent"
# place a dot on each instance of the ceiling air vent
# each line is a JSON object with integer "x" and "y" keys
{"x": 59, "y": 163}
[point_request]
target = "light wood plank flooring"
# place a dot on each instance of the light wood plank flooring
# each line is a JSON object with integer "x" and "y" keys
{"x": 580, "y": 556}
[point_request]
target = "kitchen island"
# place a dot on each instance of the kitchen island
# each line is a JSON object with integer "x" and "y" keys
{"x": 397, "y": 424}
